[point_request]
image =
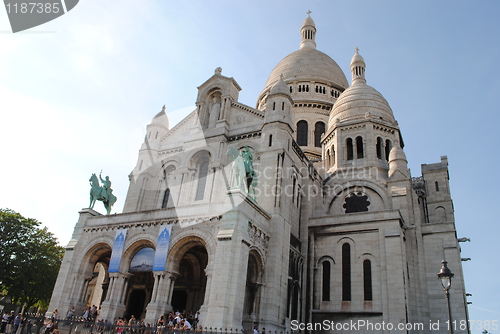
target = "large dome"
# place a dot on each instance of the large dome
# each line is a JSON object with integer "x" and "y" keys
{"x": 309, "y": 69}
{"x": 308, "y": 64}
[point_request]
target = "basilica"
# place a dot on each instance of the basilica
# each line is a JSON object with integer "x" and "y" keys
{"x": 296, "y": 212}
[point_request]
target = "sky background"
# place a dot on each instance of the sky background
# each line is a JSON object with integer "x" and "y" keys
{"x": 77, "y": 93}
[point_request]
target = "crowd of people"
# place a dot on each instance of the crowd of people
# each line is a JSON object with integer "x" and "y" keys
{"x": 88, "y": 321}
{"x": 10, "y": 322}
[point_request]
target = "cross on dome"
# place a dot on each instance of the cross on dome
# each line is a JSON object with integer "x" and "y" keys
{"x": 308, "y": 32}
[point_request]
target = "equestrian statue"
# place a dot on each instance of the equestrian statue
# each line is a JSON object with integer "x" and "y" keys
{"x": 104, "y": 193}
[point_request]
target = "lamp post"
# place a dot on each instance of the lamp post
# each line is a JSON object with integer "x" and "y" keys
{"x": 445, "y": 275}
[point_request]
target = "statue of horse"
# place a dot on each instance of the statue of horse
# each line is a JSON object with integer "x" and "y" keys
{"x": 98, "y": 193}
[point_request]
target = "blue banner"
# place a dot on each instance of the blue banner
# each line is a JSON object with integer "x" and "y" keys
{"x": 117, "y": 252}
{"x": 162, "y": 248}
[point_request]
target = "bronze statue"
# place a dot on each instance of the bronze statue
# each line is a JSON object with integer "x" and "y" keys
{"x": 104, "y": 193}
{"x": 243, "y": 170}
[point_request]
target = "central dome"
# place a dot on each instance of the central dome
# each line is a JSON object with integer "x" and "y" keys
{"x": 308, "y": 64}
{"x": 308, "y": 71}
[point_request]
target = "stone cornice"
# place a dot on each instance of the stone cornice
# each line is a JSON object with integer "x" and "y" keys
{"x": 244, "y": 136}
{"x": 258, "y": 236}
{"x": 247, "y": 109}
{"x": 172, "y": 150}
{"x": 149, "y": 223}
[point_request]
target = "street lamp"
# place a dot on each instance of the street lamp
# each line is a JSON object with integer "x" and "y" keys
{"x": 445, "y": 275}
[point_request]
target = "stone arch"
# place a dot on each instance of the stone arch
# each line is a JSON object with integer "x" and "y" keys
{"x": 196, "y": 157}
{"x": 187, "y": 261}
{"x": 371, "y": 282}
{"x": 377, "y": 196}
{"x": 200, "y": 162}
{"x": 169, "y": 167}
{"x": 139, "y": 287}
{"x": 253, "y": 285}
{"x": 94, "y": 252}
{"x": 136, "y": 244}
{"x": 94, "y": 279}
{"x": 181, "y": 244}
{"x": 324, "y": 278}
{"x": 324, "y": 258}
{"x": 440, "y": 214}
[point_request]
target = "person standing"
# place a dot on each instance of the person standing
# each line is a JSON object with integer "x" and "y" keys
{"x": 5, "y": 320}
{"x": 17, "y": 322}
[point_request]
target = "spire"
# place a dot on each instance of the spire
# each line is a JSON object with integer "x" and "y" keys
{"x": 358, "y": 69}
{"x": 308, "y": 32}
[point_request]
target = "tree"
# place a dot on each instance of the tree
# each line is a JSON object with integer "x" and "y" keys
{"x": 30, "y": 257}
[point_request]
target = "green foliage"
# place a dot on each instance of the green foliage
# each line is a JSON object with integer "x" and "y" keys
{"x": 30, "y": 258}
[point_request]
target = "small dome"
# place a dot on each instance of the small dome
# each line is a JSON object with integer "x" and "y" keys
{"x": 280, "y": 88}
{"x": 161, "y": 119}
{"x": 357, "y": 58}
{"x": 359, "y": 100}
{"x": 308, "y": 21}
{"x": 398, "y": 162}
{"x": 397, "y": 153}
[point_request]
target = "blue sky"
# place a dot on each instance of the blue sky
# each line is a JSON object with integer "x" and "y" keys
{"x": 76, "y": 94}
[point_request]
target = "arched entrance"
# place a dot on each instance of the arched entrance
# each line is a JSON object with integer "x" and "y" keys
{"x": 252, "y": 290}
{"x": 189, "y": 288}
{"x": 140, "y": 283}
{"x": 96, "y": 284}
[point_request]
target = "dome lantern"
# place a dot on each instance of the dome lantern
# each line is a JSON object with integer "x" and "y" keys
{"x": 358, "y": 68}
{"x": 308, "y": 32}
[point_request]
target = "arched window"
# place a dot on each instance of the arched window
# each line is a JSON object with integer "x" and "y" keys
{"x": 333, "y": 156}
{"x": 379, "y": 147}
{"x": 346, "y": 272}
{"x": 270, "y": 140}
{"x": 350, "y": 150}
{"x": 202, "y": 181}
{"x": 441, "y": 214}
{"x": 367, "y": 280}
{"x": 388, "y": 146}
{"x": 326, "y": 282}
{"x": 168, "y": 171}
{"x": 319, "y": 129}
{"x": 437, "y": 185}
{"x": 282, "y": 105}
{"x": 302, "y": 130}
{"x": 359, "y": 147}
{"x": 328, "y": 159}
{"x": 166, "y": 196}
{"x": 274, "y": 105}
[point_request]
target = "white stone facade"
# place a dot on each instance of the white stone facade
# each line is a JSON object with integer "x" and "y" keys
{"x": 338, "y": 229}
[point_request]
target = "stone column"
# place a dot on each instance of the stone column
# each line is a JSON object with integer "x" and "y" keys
{"x": 113, "y": 306}
{"x": 156, "y": 307}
